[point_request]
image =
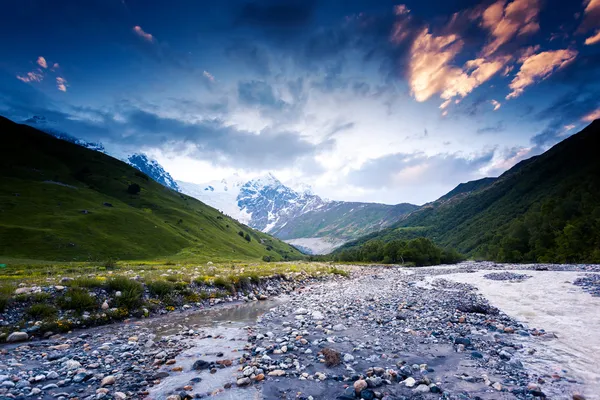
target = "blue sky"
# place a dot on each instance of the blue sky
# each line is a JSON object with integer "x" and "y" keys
{"x": 364, "y": 100}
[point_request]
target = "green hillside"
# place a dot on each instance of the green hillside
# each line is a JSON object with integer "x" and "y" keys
{"x": 343, "y": 220}
{"x": 544, "y": 209}
{"x": 60, "y": 201}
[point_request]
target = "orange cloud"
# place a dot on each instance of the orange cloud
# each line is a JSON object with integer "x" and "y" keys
{"x": 42, "y": 62}
{"x": 593, "y": 39}
{"x": 505, "y": 21}
{"x": 31, "y": 77}
{"x": 538, "y": 67}
{"x": 594, "y": 115}
{"x": 140, "y": 32}
{"x": 61, "y": 84}
{"x": 591, "y": 15}
{"x": 401, "y": 28}
{"x": 429, "y": 68}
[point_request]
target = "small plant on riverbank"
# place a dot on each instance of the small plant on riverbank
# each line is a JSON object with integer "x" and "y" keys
{"x": 338, "y": 271}
{"x": 332, "y": 357}
{"x": 160, "y": 288}
{"x": 122, "y": 284}
{"x": 130, "y": 299}
{"x": 41, "y": 311}
{"x": 78, "y": 299}
{"x": 85, "y": 282}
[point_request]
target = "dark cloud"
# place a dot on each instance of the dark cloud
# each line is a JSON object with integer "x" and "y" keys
{"x": 259, "y": 93}
{"x": 279, "y": 14}
{"x": 497, "y": 128}
{"x": 417, "y": 168}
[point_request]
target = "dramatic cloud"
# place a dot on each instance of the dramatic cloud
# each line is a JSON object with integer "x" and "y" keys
{"x": 496, "y": 104}
{"x": 593, "y": 39}
{"x": 594, "y": 115}
{"x": 61, "y": 84}
{"x": 417, "y": 168}
{"x": 31, "y": 77}
{"x": 42, "y": 62}
{"x": 591, "y": 16}
{"x": 429, "y": 69}
{"x": 538, "y": 67}
{"x": 140, "y": 32}
{"x": 506, "y": 21}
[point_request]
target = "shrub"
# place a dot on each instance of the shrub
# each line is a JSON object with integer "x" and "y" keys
{"x": 123, "y": 284}
{"x": 332, "y": 357}
{"x": 241, "y": 233}
{"x": 224, "y": 283}
{"x": 337, "y": 271}
{"x": 78, "y": 299}
{"x": 110, "y": 264}
{"x": 41, "y": 311}
{"x": 85, "y": 282}
{"x": 130, "y": 299}
{"x": 161, "y": 288}
{"x": 266, "y": 258}
{"x": 247, "y": 237}
{"x": 134, "y": 188}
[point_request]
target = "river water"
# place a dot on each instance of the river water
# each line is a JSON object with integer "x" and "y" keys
{"x": 549, "y": 300}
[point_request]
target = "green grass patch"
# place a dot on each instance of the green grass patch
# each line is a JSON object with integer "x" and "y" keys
{"x": 41, "y": 311}
{"x": 78, "y": 299}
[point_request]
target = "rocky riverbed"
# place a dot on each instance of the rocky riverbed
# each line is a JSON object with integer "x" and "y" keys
{"x": 386, "y": 332}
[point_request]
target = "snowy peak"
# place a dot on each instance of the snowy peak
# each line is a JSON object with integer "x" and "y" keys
{"x": 43, "y": 124}
{"x": 153, "y": 169}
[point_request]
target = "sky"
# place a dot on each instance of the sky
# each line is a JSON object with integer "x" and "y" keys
{"x": 364, "y": 100}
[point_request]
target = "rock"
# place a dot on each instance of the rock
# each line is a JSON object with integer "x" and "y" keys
{"x": 497, "y": 386}
{"x": 105, "y": 305}
{"x": 245, "y": 381}
{"x": 107, "y": 381}
{"x": 360, "y": 385}
{"x": 301, "y": 311}
{"x": 199, "y": 365}
{"x": 463, "y": 341}
{"x": 339, "y": 327}
{"x": 318, "y": 315}
{"x": 421, "y": 389}
{"x": 120, "y": 396}
{"x": 348, "y": 358}
{"x": 476, "y": 354}
{"x": 52, "y": 375}
{"x": 72, "y": 364}
{"x": 367, "y": 394}
{"x": 260, "y": 377}
{"x": 277, "y": 372}
{"x": 17, "y": 337}
{"x": 24, "y": 290}
{"x": 410, "y": 382}
{"x": 174, "y": 397}
{"x": 320, "y": 376}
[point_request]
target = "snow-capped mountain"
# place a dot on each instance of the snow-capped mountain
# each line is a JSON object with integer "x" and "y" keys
{"x": 138, "y": 160}
{"x": 298, "y": 217}
{"x": 153, "y": 169}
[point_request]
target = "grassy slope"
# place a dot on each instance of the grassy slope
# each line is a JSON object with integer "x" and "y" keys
{"x": 344, "y": 220}
{"x": 468, "y": 222}
{"x": 44, "y": 220}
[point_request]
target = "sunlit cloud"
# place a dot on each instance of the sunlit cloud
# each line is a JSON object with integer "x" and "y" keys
{"x": 591, "y": 16}
{"x": 593, "y": 39}
{"x": 496, "y": 104}
{"x": 61, "y": 84}
{"x": 539, "y": 67}
{"x": 401, "y": 29}
{"x": 209, "y": 76}
{"x": 41, "y": 61}
{"x": 144, "y": 35}
{"x": 594, "y": 115}
{"x": 31, "y": 77}
{"x": 55, "y": 67}
{"x": 506, "y": 21}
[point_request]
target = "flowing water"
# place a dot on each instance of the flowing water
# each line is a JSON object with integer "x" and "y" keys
{"x": 549, "y": 300}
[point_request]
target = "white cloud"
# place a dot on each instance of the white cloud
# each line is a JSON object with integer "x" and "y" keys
{"x": 61, "y": 84}
{"x": 496, "y": 104}
{"x": 144, "y": 35}
{"x": 31, "y": 77}
{"x": 539, "y": 67}
{"x": 41, "y": 61}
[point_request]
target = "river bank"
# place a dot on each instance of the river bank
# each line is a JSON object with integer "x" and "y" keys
{"x": 386, "y": 332}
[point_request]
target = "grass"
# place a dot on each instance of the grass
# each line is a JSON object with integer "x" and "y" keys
{"x": 69, "y": 222}
{"x": 160, "y": 288}
{"x": 41, "y": 311}
{"x": 86, "y": 282}
{"x": 79, "y": 300}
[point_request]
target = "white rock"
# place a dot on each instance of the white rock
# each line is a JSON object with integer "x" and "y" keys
{"x": 339, "y": 327}
{"x": 410, "y": 382}
{"x": 72, "y": 364}
{"x": 301, "y": 311}
{"x": 348, "y": 357}
{"x": 318, "y": 315}
{"x": 17, "y": 337}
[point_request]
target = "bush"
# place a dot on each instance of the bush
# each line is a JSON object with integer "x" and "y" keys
{"x": 160, "y": 288}
{"x": 130, "y": 299}
{"x": 266, "y": 258}
{"x": 247, "y": 237}
{"x": 337, "y": 271}
{"x": 41, "y": 311}
{"x": 332, "y": 357}
{"x": 123, "y": 284}
{"x": 134, "y": 188}
{"x": 224, "y": 283}
{"x": 85, "y": 282}
{"x": 110, "y": 264}
{"x": 78, "y": 299}
{"x": 241, "y": 233}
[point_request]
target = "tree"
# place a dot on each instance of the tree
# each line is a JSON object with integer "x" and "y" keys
{"x": 247, "y": 237}
{"x": 134, "y": 188}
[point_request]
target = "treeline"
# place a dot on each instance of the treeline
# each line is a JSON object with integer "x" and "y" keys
{"x": 564, "y": 229}
{"x": 420, "y": 252}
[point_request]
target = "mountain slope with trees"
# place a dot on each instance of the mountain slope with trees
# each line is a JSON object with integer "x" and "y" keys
{"x": 62, "y": 201}
{"x": 544, "y": 209}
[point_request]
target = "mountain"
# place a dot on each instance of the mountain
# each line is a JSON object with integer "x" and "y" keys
{"x": 544, "y": 209}
{"x": 62, "y": 201}
{"x": 307, "y": 221}
{"x": 139, "y": 161}
{"x": 153, "y": 169}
